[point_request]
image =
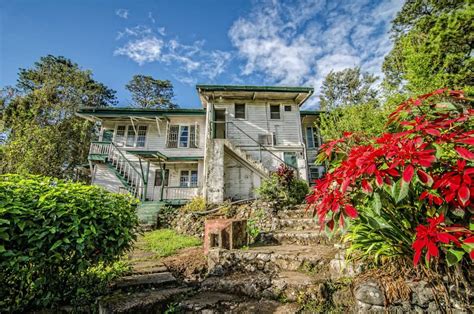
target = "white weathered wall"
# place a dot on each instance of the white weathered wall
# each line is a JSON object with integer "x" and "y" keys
{"x": 239, "y": 181}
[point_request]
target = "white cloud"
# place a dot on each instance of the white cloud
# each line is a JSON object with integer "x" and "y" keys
{"x": 142, "y": 50}
{"x": 298, "y": 43}
{"x": 122, "y": 13}
{"x": 189, "y": 62}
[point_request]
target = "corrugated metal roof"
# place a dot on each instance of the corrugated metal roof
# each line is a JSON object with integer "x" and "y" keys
{"x": 252, "y": 88}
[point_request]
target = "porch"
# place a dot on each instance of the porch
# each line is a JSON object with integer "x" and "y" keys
{"x": 150, "y": 175}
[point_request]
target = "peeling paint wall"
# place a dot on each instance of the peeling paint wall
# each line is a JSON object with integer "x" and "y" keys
{"x": 239, "y": 181}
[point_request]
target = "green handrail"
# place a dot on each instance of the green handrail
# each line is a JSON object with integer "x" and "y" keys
{"x": 260, "y": 145}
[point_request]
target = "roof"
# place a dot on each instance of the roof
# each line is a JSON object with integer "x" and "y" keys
{"x": 253, "y": 88}
{"x": 104, "y": 112}
{"x": 234, "y": 93}
{"x": 310, "y": 112}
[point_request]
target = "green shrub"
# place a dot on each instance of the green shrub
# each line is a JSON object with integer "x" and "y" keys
{"x": 283, "y": 188}
{"x": 55, "y": 236}
{"x": 196, "y": 204}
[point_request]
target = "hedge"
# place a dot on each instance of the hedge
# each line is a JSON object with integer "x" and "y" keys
{"x": 55, "y": 236}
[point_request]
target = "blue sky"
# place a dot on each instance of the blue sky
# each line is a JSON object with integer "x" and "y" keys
{"x": 258, "y": 42}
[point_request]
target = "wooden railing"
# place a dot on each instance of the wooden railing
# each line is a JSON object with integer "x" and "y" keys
{"x": 180, "y": 193}
{"x": 124, "y": 167}
{"x": 100, "y": 148}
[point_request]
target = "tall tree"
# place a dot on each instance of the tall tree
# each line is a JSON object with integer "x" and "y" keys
{"x": 148, "y": 92}
{"x": 433, "y": 46}
{"x": 346, "y": 88}
{"x": 43, "y": 134}
{"x": 350, "y": 104}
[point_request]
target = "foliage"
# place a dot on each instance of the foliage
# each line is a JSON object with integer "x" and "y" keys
{"x": 366, "y": 118}
{"x": 196, "y": 204}
{"x": 166, "y": 242}
{"x": 351, "y": 104}
{"x": 346, "y": 88}
{"x": 54, "y": 235}
{"x": 420, "y": 171}
{"x": 166, "y": 214}
{"x": 39, "y": 118}
{"x": 283, "y": 188}
{"x": 433, "y": 46}
{"x": 148, "y": 92}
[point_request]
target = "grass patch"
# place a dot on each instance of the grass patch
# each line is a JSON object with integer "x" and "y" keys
{"x": 166, "y": 242}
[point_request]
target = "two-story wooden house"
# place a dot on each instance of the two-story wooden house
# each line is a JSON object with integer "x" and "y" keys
{"x": 222, "y": 151}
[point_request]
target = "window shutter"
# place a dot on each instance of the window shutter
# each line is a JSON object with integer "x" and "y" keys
{"x": 173, "y": 131}
{"x": 194, "y": 136}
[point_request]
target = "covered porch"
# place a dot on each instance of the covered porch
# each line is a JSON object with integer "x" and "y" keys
{"x": 174, "y": 179}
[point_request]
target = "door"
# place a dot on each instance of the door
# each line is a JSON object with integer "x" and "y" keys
{"x": 219, "y": 125}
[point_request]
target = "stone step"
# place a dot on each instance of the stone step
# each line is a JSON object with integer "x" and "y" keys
{"x": 294, "y": 213}
{"x": 289, "y": 286}
{"x": 148, "y": 267}
{"x": 295, "y": 237}
{"x": 273, "y": 259}
{"x": 218, "y": 302}
{"x": 149, "y": 301}
{"x": 298, "y": 224}
{"x": 156, "y": 280}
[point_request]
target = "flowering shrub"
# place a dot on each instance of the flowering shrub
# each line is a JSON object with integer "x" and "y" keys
{"x": 283, "y": 188}
{"x": 409, "y": 191}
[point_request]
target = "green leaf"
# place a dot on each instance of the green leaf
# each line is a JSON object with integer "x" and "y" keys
{"x": 454, "y": 256}
{"x": 377, "y": 204}
{"x": 395, "y": 190}
{"x": 56, "y": 244}
{"x": 403, "y": 191}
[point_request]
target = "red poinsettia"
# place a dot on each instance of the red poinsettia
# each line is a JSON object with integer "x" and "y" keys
{"x": 427, "y": 155}
{"x": 427, "y": 238}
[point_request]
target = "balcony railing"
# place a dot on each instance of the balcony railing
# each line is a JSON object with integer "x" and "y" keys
{"x": 175, "y": 193}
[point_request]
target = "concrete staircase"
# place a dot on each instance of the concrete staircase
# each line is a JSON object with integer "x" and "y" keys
{"x": 292, "y": 263}
{"x": 246, "y": 159}
{"x": 147, "y": 213}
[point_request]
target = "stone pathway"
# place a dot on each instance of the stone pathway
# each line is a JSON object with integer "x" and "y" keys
{"x": 287, "y": 266}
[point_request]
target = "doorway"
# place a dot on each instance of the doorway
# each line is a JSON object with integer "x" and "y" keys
{"x": 219, "y": 125}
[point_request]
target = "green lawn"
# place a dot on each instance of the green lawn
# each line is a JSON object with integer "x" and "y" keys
{"x": 165, "y": 242}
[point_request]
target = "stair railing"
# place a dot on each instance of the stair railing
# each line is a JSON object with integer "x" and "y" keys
{"x": 261, "y": 147}
{"x": 124, "y": 166}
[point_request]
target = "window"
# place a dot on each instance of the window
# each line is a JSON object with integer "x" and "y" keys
{"x": 287, "y": 108}
{"x": 173, "y": 136}
{"x": 158, "y": 177}
{"x": 239, "y": 111}
{"x": 188, "y": 178}
{"x": 183, "y": 136}
{"x": 130, "y": 136}
{"x": 315, "y": 173}
{"x": 120, "y": 134}
{"x": 312, "y": 137}
{"x": 141, "y": 137}
{"x": 275, "y": 112}
{"x": 194, "y": 178}
{"x": 127, "y": 134}
{"x": 290, "y": 159}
